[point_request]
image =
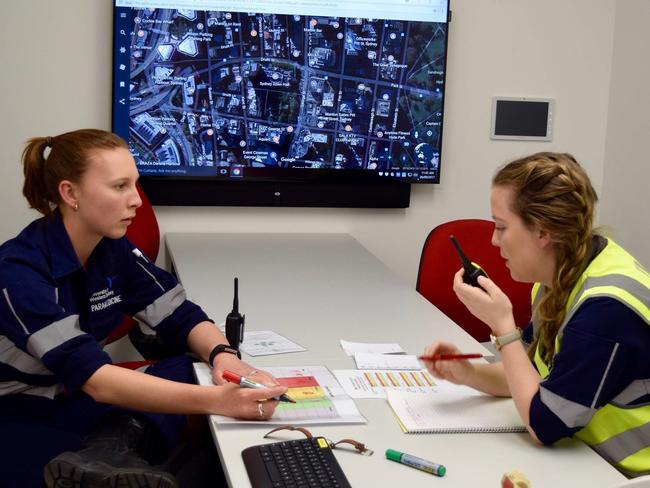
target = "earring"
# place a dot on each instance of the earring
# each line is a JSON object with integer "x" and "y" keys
{"x": 75, "y": 207}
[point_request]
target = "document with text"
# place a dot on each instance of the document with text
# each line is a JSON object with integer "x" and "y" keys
{"x": 266, "y": 343}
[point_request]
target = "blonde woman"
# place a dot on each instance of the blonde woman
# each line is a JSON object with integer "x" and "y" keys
{"x": 582, "y": 368}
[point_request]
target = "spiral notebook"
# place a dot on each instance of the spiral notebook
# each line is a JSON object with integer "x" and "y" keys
{"x": 454, "y": 412}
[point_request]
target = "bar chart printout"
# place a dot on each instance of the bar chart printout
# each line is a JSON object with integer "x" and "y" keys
{"x": 375, "y": 383}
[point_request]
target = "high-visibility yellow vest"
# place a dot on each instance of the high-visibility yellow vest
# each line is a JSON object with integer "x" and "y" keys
{"x": 617, "y": 431}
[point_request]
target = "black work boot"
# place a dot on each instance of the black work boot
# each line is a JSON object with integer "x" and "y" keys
{"x": 195, "y": 463}
{"x": 113, "y": 456}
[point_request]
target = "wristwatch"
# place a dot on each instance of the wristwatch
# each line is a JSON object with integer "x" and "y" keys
{"x": 218, "y": 349}
{"x": 501, "y": 341}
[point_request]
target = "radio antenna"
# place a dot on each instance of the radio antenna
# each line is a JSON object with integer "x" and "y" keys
{"x": 467, "y": 264}
{"x": 235, "y": 300}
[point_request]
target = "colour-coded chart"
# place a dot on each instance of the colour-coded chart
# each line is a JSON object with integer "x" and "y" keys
{"x": 374, "y": 383}
{"x": 319, "y": 397}
{"x": 302, "y": 387}
{"x": 305, "y": 410}
{"x": 311, "y": 401}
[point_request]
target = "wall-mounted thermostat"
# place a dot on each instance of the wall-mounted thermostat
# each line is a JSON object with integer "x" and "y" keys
{"x": 522, "y": 118}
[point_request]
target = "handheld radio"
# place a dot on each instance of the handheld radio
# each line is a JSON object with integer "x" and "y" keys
{"x": 472, "y": 270}
{"x": 235, "y": 321}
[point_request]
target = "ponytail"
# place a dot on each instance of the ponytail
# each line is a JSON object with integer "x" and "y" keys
{"x": 34, "y": 187}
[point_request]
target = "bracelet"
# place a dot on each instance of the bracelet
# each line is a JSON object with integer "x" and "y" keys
{"x": 218, "y": 349}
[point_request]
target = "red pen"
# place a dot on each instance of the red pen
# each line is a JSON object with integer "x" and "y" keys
{"x": 450, "y": 357}
{"x": 246, "y": 383}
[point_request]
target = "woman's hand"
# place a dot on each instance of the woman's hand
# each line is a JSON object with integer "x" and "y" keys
{"x": 456, "y": 371}
{"x": 232, "y": 363}
{"x": 247, "y": 403}
{"x": 489, "y": 304}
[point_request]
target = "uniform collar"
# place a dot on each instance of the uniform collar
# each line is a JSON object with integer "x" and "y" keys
{"x": 63, "y": 256}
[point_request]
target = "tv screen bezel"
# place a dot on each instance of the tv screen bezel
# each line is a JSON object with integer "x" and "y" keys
{"x": 305, "y": 188}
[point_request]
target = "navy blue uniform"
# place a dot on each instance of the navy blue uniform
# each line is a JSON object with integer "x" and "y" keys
{"x": 54, "y": 315}
{"x": 604, "y": 349}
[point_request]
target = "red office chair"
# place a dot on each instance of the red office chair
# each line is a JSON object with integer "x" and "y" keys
{"x": 439, "y": 263}
{"x": 145, "y": 234}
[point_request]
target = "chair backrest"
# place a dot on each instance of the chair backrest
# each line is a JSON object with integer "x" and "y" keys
{"x": 439, "y": 262}
{"x": 144, "y": 231}
{"x": 145, "y": 234}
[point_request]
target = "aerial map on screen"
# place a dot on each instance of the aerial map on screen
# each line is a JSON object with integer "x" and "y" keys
{"x": 212, "y": 90}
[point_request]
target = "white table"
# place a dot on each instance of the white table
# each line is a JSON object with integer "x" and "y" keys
{"x": 316, "y": 289}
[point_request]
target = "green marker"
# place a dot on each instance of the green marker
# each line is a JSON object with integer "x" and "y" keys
{"x": 416, "y": 462}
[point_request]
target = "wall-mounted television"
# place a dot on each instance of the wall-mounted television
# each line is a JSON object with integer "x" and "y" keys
{"x": 281, "y": 102}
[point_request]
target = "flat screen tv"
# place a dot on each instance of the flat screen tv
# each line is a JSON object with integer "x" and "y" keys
{"x": 281, "y": 102}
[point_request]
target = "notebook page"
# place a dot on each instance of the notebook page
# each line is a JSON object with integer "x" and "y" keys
{"x": 454, "y": 412}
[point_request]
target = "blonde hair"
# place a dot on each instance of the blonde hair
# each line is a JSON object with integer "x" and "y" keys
{"x": 67, "y": 160}
{"x": 552, "y": 192}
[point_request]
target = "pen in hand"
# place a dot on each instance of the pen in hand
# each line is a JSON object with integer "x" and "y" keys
{"x": 450, "y": 357}
{"x": 246, "y": 383}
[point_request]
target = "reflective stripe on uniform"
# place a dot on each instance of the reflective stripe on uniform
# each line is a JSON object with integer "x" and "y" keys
{"x": 626, "y": 290}
{"x": 43, "y": 341}
{"x": 571, "y": 413}
{"x": 15, "y": 387}
{"x": 620, "y": 287}
{"x": 620, "y": 446}
{"x": 636, "y": 289}
{"x": 162, "y": 307}
{"x": 536, "y": 296}
{"x": 605, "y": 373}
{"x": 5, "y": 292}
{"x": 636, "y": 389}
{"x": 152, "y": 276}
{"x": 18, "y": 359}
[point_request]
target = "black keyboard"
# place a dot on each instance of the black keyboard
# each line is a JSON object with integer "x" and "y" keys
{"x": 307, "y": 463}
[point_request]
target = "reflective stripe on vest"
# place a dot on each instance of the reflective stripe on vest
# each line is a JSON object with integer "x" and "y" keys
{"x": 618, "y": 431}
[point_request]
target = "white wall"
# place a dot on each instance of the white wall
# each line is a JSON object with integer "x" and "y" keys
{"x": 625, "y": 195}
{"x": 57, "y": 70}
{"x": 56, "y": 62}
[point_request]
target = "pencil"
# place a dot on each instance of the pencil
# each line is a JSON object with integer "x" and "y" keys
{"x": 450, "y": 357}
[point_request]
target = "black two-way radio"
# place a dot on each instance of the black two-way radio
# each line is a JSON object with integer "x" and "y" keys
{"x": 472, "y": 270}
{"x": 235, "y": 321}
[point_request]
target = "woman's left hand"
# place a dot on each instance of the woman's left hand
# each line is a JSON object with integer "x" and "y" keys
{"x": 230, "y": 362}
{"x": 488, "y": 304}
